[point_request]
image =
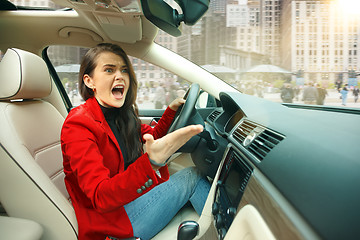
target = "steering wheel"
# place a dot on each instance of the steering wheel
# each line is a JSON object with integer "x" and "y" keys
{"x": 186, "y": 111}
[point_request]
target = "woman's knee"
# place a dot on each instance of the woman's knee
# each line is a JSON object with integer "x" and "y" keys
{"x": 193, "y": 173}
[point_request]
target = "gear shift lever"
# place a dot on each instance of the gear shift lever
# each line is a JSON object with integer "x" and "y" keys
{"x": 187, "y": 230}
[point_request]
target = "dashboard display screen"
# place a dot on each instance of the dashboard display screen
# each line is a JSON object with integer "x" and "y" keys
{"x": 234, "y": 120}
{"x": 232, "y": 184}
{"x": 236, "y": 178}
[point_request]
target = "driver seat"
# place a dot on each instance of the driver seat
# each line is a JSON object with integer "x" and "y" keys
{"x": 31, "y": 171}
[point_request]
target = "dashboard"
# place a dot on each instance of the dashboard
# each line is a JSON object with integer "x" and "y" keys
{"x": 299, "y": 167}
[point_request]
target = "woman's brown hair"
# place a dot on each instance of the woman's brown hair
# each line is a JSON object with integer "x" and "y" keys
{"x": 127, "y": 119}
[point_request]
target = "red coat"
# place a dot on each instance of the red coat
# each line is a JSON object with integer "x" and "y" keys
{"x": 94, "y": 171}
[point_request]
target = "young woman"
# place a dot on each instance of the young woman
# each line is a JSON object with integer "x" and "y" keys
{"x": 116, "y": 189}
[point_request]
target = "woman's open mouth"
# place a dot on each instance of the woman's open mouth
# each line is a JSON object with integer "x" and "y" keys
{"x": 118, "y": 91}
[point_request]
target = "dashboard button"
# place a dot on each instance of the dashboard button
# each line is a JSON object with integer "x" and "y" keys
{"x": 221, "y": 233}
{"x": 219, "y": 221}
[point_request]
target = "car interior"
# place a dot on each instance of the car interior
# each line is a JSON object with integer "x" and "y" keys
{"x": 278, "y": 171}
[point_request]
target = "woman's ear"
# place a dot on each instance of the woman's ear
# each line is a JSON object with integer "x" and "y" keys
{"x": 88, "y": 81}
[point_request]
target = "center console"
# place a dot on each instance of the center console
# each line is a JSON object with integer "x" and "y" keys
{"x": 234, "y": 176}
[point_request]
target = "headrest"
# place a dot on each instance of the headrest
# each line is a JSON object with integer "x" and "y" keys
{"x": 23, "y": 75}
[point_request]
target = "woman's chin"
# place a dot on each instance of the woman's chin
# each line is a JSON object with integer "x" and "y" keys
{"x": 112, "y": 103}
{"x": 117, "y": 103}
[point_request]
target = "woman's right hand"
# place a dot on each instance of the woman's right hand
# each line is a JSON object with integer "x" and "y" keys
{"x": 161, "y": 149}
{"x": 174, "y": 105}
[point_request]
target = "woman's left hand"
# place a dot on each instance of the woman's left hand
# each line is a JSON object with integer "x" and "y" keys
{"x": 161, "y": 149}
{"x": 174, "y": 105}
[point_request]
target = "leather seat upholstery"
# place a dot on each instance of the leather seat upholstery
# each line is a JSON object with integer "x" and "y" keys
{"x": 31, "y": 172}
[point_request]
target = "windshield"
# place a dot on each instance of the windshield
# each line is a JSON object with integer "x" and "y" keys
{"x": 302, "y": 52}
{"x": 299, "y": 52}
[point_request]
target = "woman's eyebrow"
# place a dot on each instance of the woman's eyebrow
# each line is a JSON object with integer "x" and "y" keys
{"x": 113, "y": 65}
{"x": 109, "y": 65}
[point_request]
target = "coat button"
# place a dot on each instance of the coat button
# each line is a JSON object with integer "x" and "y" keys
{"x": 150, "y": 182}
{"x": 143, "y": 188}
{"x": 139, "y": 191}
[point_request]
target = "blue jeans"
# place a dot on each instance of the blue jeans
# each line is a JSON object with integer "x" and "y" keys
{"x": 150, "y": 213}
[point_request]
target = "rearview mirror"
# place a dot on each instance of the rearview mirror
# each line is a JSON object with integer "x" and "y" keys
{"x": 167, "y": 18}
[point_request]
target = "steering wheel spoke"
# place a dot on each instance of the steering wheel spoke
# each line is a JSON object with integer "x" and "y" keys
{"x": 187, "y": 115}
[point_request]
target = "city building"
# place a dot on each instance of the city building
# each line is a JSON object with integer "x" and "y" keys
{"x": 320, "y": 42}
{"x": 243, "y": 44}
{"x": 252, "y": 34}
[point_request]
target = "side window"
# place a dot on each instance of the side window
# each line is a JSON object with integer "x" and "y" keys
{"x": 1, "y": 54}
{"x": 156, "y": 87}
{"x": 66, "y": 61}
{"x": 205, "y": 100}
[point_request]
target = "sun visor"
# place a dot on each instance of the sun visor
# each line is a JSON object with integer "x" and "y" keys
{"x": 115, "y": 26}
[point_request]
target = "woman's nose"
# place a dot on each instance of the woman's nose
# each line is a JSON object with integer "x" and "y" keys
{"x": 119, "y": 75}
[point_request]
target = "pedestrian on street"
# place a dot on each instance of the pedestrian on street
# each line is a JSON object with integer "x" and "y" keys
{"x": 356, "y": 93}
{"x": 344, "y": 92}
{"x": 287, "y": 93}
{"x": 322, "y": 93}
{"x": 338, "y": 84}
{"x": 160, "y": 96}
{"x": 310, "y": 94}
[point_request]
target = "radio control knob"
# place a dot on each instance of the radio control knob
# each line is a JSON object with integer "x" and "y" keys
{"x": 231, "y": 211}
{"x": 215, "y": 208}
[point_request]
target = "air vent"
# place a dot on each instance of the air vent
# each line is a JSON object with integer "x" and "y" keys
{"x": 214, "y": 115}
{"x": 263, "y": 144}
{"x": 258, "y": 140}
{"x": 244, "y": 129}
